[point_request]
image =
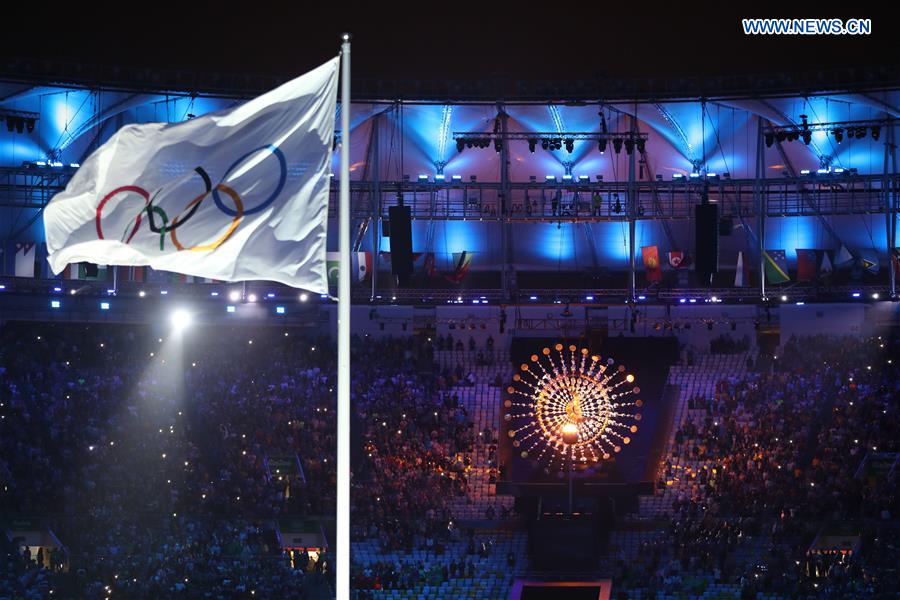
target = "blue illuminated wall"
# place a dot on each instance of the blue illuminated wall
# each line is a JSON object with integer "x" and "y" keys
{"x": 412, "y": 139}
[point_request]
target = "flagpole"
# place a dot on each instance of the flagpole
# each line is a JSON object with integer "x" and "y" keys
{"x": 342, "y": 556}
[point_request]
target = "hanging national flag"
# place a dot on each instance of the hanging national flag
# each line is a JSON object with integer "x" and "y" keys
{"x": 895, "y": 263}
{"x": 676, "y": 259}
{"x": 239, "y": 194}
{"x": 742, "y": 271}
{"x": 776, "y": 266}
{"x": 360, "y": 266}
{"x": 461, "y": 263}
{"x": 843, "y": 257}
{"x": 650, "y": 255}
{"x": 430, "y": 265}
{"x": 25, "y": 253}
{"x": 92, "y": 272}
{"x": 807, "y": 261}
{"x": 825, "y": 268}
{"x": 868, "y": 259}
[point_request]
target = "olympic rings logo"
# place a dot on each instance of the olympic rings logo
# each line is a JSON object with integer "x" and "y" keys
{"x": 170, "y": 226}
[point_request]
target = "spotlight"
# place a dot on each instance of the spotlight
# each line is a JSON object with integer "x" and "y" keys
{"x": 304, "y": 297}
{"x": 54, "y": 304}
{"x": 770, "y": 139}
{"x": 781, "y": 136}
{"x": 460, "y": 145}
{"x": 876, "y": 132}
{"x": 838, "y": 135}
{"x": 229, "y": 309}
{"x": 251, "y": 297}
{"x": 784, "y": 298}
{"x": 181, "y": 319}
{"x": 875, "y": 296}
{"x": 617, "y": 207}
{"x": 532, "y": 144}
{"x": 104, "y": 306}
{"x": 141, "y": 294}
{"x": 617, "y": 145}
{"x": 29, "y": 125}
{"x": 629, "y": 146}
{"x": 10, "y": 124}
{"x": 279, "y": 310}
{"x": 601, "y": 144}
{"x": 861, "y": 133}
{"x": 498, "y": 145}
{"x": 570, "y": 145}
{"x": 234, "y": 296}
{"x": 640, "y": 143}
{"x": 545, "y": 144}
{"x": 807, "y": 136}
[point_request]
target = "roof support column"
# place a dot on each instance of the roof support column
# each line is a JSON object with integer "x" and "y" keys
{"x": 507, "y": 276}
{"x": 759, "y": 197}
{"x": 632, "y": 212}
{"x": 888, "y": 188}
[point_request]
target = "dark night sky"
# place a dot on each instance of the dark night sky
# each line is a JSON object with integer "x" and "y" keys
{"x": 444, "y": 40}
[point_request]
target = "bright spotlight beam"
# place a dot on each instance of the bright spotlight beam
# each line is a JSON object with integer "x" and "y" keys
{"x": 181, "y": 319}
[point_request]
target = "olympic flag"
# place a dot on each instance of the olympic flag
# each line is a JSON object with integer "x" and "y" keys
{"x": 236, "y": 195}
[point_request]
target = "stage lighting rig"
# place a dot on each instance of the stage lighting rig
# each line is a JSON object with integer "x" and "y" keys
{"x": 839, "y": 129}
{"x": 552, "y": 141}
{"x": 19, "y": 121}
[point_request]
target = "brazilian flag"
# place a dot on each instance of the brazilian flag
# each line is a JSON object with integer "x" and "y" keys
{"x": 776, "y": 266}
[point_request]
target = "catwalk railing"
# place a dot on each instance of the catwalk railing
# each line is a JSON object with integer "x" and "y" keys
{"x": 556, "y": 200}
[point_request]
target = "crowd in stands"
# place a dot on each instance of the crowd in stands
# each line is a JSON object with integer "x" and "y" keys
{"x": 779, "y": 456}
{"x": 148, "y": 455}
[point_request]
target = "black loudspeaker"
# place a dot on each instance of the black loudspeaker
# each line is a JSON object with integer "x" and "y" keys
{"x": 91, "y": 270}
{"x": 726, "y": 224}
{"x": 401, "y": 243}
{"x": 707, "y": 241}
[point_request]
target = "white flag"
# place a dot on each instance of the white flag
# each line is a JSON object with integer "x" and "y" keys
{"x": 25, "y": 259}
{"x": 739, "y": 271}
{"x": 234, "y": 195}
{"x": 843, "y": 256}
